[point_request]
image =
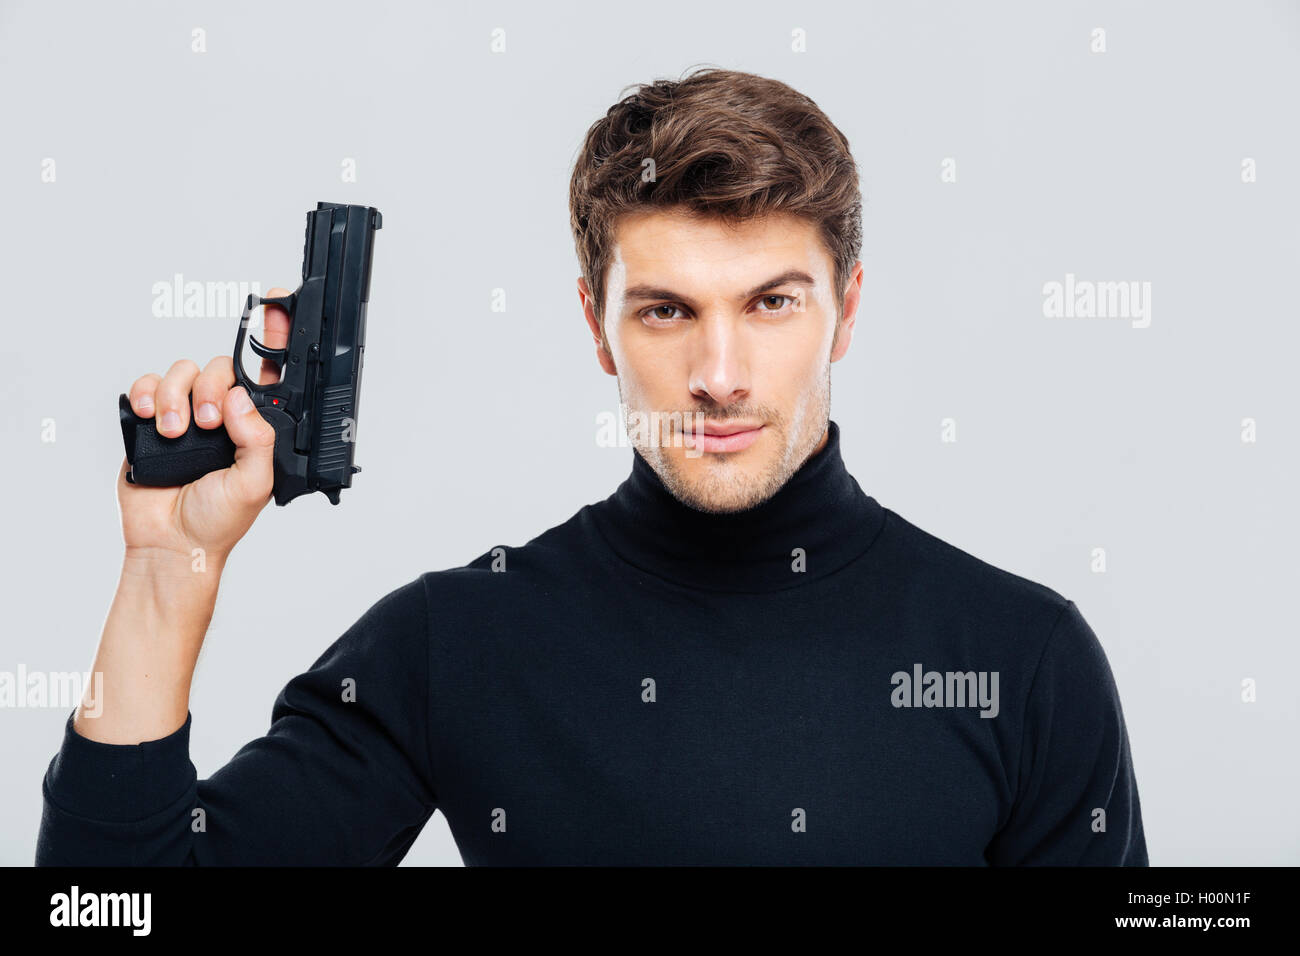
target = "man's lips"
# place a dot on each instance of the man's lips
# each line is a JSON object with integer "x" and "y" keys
{"x": 724, "y": 436}
{"x": 729, "y": 428}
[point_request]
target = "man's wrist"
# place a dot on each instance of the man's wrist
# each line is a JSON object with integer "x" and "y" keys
{"x": 150, "y": 646}
{"x": 173, "y": 580}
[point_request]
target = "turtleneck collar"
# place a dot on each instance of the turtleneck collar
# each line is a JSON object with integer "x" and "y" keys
{"x": 821, "y": 510}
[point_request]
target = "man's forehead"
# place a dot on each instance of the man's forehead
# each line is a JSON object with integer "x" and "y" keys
{"x": 663, "y": 246}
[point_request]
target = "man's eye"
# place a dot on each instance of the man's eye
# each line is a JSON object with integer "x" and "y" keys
{"x": 781, "y": 300}
{"x": 654, "y": 312}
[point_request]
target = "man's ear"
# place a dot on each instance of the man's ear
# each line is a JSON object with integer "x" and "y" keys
{"x": 589, "y": 313}
{"x": 852, "y": 298}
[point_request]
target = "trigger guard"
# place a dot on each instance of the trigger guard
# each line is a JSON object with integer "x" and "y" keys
{"x": 287, "y": 302}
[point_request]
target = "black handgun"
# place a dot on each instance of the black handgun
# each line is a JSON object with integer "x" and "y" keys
{"x": 314, "y": 405}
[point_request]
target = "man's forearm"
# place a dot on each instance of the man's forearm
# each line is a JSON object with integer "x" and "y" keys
{"x": 150, "y": 645}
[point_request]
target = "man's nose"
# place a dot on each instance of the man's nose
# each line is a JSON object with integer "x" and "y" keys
{"x": 719, "y": 360}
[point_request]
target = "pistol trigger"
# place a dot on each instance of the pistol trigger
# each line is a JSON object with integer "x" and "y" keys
{"x": 275, "y": 355}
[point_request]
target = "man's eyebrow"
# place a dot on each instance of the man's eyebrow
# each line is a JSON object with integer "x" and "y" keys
{"x": 658, "y": 292}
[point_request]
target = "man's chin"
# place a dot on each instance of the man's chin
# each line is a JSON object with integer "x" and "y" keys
{"x": 716, "y": 483}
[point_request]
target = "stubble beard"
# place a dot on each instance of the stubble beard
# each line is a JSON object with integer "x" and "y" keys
{"x": 719, "y": 488}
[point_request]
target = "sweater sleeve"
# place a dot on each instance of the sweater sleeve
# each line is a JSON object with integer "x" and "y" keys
{"x": 343, "y": 775}
{"x": 1076, "y": 773}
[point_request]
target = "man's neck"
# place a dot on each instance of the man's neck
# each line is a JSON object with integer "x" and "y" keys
{"x": 816, "y": 523}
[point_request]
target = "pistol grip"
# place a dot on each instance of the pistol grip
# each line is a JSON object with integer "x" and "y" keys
{"x": 163, "y": 462}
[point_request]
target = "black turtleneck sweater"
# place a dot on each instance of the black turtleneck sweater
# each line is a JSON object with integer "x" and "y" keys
{"x": 650, "y": 684}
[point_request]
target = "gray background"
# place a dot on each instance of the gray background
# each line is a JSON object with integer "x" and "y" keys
{"x": 479, "y": 426}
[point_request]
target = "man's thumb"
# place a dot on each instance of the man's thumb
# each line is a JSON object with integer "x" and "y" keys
{"x": 251, "y": 477}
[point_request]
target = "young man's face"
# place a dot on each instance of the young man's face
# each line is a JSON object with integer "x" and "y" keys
{"x": 736, "y": 323}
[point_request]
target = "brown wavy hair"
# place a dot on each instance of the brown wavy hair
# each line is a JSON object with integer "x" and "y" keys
{"x": 725, "y": 144}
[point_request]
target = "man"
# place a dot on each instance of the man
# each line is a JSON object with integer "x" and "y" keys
{"x": 737, "y": 658}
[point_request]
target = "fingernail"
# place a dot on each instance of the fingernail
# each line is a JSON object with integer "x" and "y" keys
{"x": 241, "y": 401}
{"x": 171, "y": 421}
{"x": 145, "y": 403}
{"x": 207, "y": 412}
